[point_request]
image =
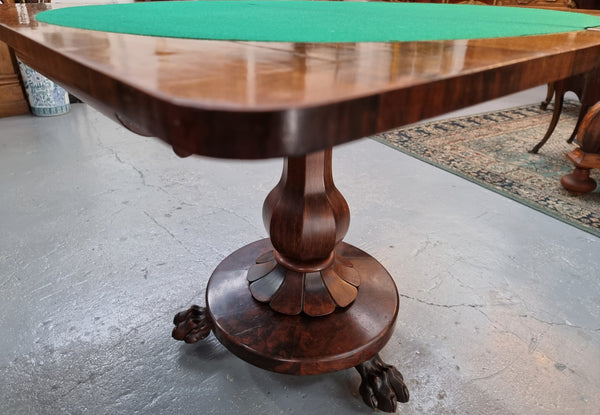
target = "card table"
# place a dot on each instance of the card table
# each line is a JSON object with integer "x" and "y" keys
{"x": 302, "y": 301}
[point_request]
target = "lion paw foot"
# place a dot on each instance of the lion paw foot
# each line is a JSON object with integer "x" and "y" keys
{"x": 192, "y": 325}
{"x": 382, "y": 385}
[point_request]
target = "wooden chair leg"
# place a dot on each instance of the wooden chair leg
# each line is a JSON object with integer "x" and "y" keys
{"x": 549, "y": 96}
{"x": 555, "y": 117}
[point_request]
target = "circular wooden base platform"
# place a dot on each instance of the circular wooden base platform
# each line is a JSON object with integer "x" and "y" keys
{"x": 301, "y": 345}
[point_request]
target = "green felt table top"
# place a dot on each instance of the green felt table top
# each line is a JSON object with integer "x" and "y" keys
{"x": 317, "y": 21}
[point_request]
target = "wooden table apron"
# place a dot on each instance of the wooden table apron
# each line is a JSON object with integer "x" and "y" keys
{"x": 295, "y": 100}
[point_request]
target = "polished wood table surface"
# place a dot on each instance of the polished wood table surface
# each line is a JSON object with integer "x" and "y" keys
{"x": 302, "y": 301}
{"x": 298, "y": 98}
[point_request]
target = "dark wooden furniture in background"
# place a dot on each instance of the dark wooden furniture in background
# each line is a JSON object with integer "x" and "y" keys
{"x": 588, "y": 4}
{"x": 546, "y": 4}
{"x": 587, "y": 156}
{"x": 12, "y": 96}
{"x": 585, "y": 86}
{"x": 298, "y": 103}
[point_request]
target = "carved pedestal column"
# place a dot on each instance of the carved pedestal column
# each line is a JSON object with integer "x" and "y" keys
{"x": 306, "y": 217}
{"x": 303, "y": 302}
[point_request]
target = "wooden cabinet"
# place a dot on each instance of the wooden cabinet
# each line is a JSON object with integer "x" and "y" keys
{"x": 12, "y": 98}
{"x": 553, "y": 4}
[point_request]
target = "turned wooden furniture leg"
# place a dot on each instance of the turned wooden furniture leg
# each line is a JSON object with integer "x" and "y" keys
{"x": 297, "y": 303}
{"x": 587, "y": 156}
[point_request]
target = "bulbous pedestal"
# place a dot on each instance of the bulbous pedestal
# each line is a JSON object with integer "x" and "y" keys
{"x": 303, "y": 302}
{"x": 306, "y": 217}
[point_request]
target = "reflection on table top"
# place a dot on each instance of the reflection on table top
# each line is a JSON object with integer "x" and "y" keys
{"x": 273, "y": 99}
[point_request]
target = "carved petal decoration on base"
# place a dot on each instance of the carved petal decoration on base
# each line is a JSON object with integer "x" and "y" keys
{"x": 313, "y": 293}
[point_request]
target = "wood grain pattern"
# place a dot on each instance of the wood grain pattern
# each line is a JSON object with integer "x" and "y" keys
{"x": 314, "y": 293}
{"x": 341, "y": 292}
{"x": 306, "y": 217}
{"x": 587, "y": 156}
{"x": 589, "y": 134}
{"x": 289, "y": 299}
{"x": 257, "y": 100}
{"x": 305, "y": 214}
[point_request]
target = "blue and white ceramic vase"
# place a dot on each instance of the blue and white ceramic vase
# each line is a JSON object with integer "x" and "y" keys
{"x": 46, "y": 98}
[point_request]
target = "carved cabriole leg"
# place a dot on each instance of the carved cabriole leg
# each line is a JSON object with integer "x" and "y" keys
{"x": 306, "y": 217}
{"x": 587, "y": 88}
{"x": 560, "y": 88}
{"x": 558, "y": 103}
{"x": 587, "y": 156}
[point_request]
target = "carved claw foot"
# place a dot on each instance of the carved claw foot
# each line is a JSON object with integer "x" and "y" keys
{"x": 192, "y": 325}
{"x": 382, "y": 385}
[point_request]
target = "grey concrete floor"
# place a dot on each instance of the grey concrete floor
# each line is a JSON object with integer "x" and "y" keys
{"x": 105, "y": 235}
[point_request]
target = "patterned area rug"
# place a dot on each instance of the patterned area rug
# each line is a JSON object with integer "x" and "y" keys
{"x": 490, "y": 149}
